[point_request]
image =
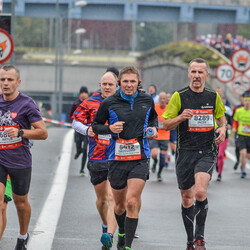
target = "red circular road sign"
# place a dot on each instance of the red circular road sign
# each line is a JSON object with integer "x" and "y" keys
{"x": 240, "y": 84}
{"x": 6, "y": 46}
{"x": 241, "y": 60}
{"x": 224, "y": 73}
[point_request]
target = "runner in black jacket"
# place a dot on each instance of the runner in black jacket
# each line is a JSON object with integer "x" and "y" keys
{"x": 130, "y": 113}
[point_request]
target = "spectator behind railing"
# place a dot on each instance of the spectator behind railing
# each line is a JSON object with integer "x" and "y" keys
{"x": 225, "y": 46}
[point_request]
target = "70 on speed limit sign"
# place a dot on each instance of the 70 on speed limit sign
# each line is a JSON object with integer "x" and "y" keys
{"x": 224, "y": 73}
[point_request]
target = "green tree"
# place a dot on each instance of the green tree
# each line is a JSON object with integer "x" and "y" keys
{"x": 151, "y": 35}
{"x": 31, "y": 32}
{"x": 244, "y": 30}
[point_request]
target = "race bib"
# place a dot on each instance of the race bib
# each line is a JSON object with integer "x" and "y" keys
{"x": 7, "y": 142}
{"x": 160, "y": 125}
{"x": 127, "y": 150}
{"x": 104, "y": 139}
{"x": 245, "y": 129}
{"x": 202, "y": 121}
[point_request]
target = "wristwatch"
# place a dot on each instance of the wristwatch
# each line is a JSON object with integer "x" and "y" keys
{"x": 20, "y": 133}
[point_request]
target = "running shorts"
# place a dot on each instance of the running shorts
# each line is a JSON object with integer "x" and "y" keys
{"x": 244, "y": 142}
{"x": 188, "y": 163}
{"x": 20, "y": 179}
{"x": 173, "y": 136}
{"x": 98, "y": 172}
{"x": 161, "y": 144}
{"x": 121, "y": 171}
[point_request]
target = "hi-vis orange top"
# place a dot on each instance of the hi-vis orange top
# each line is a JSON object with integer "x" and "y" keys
{"x": 162, "y": 134}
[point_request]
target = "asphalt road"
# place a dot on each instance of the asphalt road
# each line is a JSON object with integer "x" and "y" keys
{"x": 160, "y": 224}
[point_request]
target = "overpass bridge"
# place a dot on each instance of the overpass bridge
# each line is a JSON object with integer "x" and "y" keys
{"x": 200, "y": 11}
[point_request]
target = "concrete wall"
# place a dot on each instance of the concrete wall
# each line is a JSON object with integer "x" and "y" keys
{"x": 169, "y": 77}
{"x": 41, "y": 78}
{"x": 166, "y": 77}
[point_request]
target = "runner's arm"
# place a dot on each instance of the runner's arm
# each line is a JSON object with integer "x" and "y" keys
{"x": 100, "y": 119}
{"x": 39, "y": 131}
{"x": 222, "y": 123}
{"x": 172, "y": 123}
{"x": 79, "y": 127}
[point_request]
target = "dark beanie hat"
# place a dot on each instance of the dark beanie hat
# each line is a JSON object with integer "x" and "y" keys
{"x": 113, "y": 70}
{"x": 246, "y": 93}
{"x": 83, "y": 89}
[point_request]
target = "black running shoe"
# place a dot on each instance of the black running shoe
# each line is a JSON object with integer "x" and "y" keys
{"x": 219, "y": 177}
{"x": 236, "y": 165}
{"x": 159, "y": 178}
{"x": 199, "y": 244}
{"x": 190, "y": 246}
{"x": 22, "y": 244}
{"x": 121, "y": 242}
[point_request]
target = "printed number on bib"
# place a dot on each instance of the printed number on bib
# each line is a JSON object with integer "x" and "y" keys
{"x": 245, "y": 129}
{"x": 202, "y": 121}
{"x": 127, "y": 150}
{"x": 7, "y": 142}
{"x": 104, "y": 139}
{"x": 160, "y": 125}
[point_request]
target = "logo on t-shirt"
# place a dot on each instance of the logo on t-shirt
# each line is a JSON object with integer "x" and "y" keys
{"x": 13, "y": 115}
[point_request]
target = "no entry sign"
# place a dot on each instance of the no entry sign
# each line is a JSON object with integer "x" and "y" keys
{"x": 240, "y": 84}
{"x": 6, "y": 46}
{"x": 241, "y": 60}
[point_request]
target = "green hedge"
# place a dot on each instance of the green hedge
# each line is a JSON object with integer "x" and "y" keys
{"x": 186, "y": 51}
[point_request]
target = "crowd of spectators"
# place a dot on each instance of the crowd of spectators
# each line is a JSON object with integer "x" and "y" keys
{"x": 225, "y": 45}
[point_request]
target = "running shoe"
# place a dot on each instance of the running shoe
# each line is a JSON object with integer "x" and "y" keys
{"x": 107, "y": 240}
{"x": 136, "y": 236}
{"x": 190, "y": 246}
{"x": 127, "y": 248}
{"x": 76, "y": 155}
{"x": 121, "y": 242}
{"x": 159, "y": 179}
{"x": 199, "y": 244}
{"x": 243, "y": 175}
{"x": 236, "y": 165}
{"x": 22, "y": 244}
{"x": 219, "y": 177}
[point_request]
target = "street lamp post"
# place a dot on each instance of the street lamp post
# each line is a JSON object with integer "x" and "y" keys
{"x": 78, "y": 33}
{"x": 57, "y": 97}
{"x": 77, "y": 4}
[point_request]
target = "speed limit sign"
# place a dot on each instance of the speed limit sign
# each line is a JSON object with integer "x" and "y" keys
{"x": 224, "y": 73}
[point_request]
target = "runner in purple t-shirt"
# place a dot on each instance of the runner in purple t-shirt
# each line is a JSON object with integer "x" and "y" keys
{"x": 18, "y": 113}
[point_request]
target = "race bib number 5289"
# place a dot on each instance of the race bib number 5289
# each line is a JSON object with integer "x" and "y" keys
{"x": 202, "y": 121}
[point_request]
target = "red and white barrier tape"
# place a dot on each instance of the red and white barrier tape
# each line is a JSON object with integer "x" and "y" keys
{"x": 57, "y": 122}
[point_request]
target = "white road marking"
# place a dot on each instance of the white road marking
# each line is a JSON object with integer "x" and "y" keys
{"x": 43, "y": 234}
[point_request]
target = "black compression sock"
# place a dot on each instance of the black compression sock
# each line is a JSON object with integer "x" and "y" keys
{"x": 201, "y": 208}
{"x": 188, "y": 220}
{"x": 121, "y": 222}
{"x": 130, "y": 228}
